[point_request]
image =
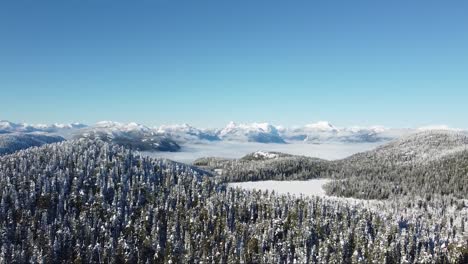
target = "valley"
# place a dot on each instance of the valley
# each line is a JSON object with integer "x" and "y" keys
{"x": 103, "y": 197}
{"x": 234, "y": 150}
{"x": 233, "y": 132}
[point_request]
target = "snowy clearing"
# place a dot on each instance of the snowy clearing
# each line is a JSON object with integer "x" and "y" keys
{"x": 304, "y": 188}
{"x": 310, "y": 187}
{"x": 329, "y": 151}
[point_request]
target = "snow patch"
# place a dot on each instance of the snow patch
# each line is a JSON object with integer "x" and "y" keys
{"x": 310, "y": 187}
{"x": 263, "y": 154}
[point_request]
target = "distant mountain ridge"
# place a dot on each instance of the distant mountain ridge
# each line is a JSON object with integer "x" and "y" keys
{"x": 12, "y": 142}
{"x": 255, "y": 132}
{"x": 172, "y": 137}
{"x": 132, "y": 135}
{"x": 186, "y": 133}
{"x": 10, "y": 127}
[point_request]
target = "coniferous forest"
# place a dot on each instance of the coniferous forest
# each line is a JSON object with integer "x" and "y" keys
{"x": 89, "y": 201}
{"x": 233, "y": 132}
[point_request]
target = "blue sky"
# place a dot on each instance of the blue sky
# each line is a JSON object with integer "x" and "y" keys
{"x": 393, "y": 63}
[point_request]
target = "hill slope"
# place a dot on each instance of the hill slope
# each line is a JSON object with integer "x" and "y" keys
{"x": 262, "y": 165}
{"x": 87, "y": 201}
{"x": 432, "y": 162}
{"x": 428, "y": 163}
{"x": 417, "y": 148}
{"x": 12, "y": 142}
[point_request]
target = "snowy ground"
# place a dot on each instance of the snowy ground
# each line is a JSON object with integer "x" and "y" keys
{"x": 303, "y": 188}
{"x": 328, "y": 151}
{"x": 310, "y": 187}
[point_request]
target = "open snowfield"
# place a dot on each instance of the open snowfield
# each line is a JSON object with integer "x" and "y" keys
{"x": 304, "y": 188}
{"x": 310, "y": 187}
{"x": 329, "y": 151}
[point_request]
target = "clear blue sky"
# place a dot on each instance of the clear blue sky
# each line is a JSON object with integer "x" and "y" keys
{"x": 394, "y": 63}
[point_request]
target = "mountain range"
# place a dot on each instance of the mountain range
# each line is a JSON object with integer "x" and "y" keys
{"x": 172, "y": 137}
{"x": 12, "y": 142}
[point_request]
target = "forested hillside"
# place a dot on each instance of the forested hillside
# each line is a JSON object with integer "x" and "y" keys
{"x": 88, "y": 201}
{"x": 283, "y": 167}
{"x": 12, "y": 142}
{"x": 425, "y": 164}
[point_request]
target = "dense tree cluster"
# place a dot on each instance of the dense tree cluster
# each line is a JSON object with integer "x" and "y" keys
{"x": 11, "y": 142}
{"x": 445, "y": 176}
{"x": 281, "y": 168}
{"x": 93, "y": 202}
{"x": 424, "y": 164}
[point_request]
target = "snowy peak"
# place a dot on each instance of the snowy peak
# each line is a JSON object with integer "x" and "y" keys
{"x": 372, "y": 129}
{"x": 321, "y": 126}
{"x": 316, "y": 133}
{"x": 255, "y": 132}
{"x": 107, "y": 124}
{"x": 323, "y": 132}
{"x": 57, "y": 127}
{"x": 125, "y": 127}
{"x": 177, "y": 128}
{"x": 230, "y": 125}
{"x": 10, "y": 127}
{"x": 131, "y": 135}
{"x": 187, "y": 133}
{"x": 254, "y": 127}
{"x": 7, "y": 125}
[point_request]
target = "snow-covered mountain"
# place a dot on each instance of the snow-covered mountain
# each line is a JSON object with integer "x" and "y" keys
{"x": 115, "y": 129}
{"x": 132, "y": 135}
{"x": 255, "y": 132}
{"x": 11, "y": 142}
{"x": 186, "y": 133}
{"x": 111, "y": 126}
{"x": 10, "y": 127}
{"x": 323, "y": 132}
{"x": 172, "y": 137}
{"x": 320, "y": 132}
